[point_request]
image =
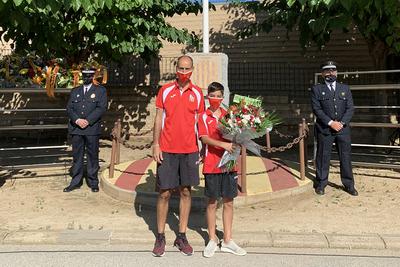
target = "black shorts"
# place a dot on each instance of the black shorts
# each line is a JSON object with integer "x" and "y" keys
{"x": 178, "y": 170}
{"x": 221, "y": 185}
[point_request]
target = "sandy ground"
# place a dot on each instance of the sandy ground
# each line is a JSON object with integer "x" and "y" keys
{"x": 39, "y": 203}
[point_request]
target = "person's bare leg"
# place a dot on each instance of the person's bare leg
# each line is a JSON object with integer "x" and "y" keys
{"x": 184, "y": 208}
{"x": 211, "y": 214}
{"x": 227, "y": 217}
{"x": 162, "y": 209}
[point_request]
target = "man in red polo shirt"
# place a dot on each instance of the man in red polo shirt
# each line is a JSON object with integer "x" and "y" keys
{"x": 176, "y": 150}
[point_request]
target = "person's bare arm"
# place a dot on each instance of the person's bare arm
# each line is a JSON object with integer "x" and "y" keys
{"x": 157, "y": 154}
{"x": 213, "y": 142}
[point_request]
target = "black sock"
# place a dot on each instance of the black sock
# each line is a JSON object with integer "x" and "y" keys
{"x": 160, "y": 235}
{"x": 181, "y": 235}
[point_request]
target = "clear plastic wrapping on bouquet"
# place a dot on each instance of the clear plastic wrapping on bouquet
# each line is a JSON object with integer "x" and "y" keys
{"x": 243, "y": 138}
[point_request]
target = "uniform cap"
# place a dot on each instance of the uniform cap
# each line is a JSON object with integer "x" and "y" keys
{"x": 328, "y": 65}
{"x": 88, "y": 71}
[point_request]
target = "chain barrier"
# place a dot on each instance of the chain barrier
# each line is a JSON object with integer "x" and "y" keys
{"x": 134, "y": 147}
{"x": 288, "y": 145}
{"x": 126, "y": 144}
{"x": 139, "y": 134}
{"x": 281, "y": 135}
{"x": 116, "y": 136}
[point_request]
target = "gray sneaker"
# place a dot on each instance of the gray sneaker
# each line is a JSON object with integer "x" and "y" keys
{"x": 210, "y": 249}
{"x": 233, "y": 248}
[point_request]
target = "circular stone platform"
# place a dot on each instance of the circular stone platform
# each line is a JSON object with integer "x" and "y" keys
{"x": 134, "y": 181}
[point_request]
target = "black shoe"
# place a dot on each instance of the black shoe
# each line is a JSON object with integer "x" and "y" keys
{"x": 352, "y": 191}
{"x": 70, "y": 188}
{"x": 95, "y": 189}
{"x": 319, "y": 191}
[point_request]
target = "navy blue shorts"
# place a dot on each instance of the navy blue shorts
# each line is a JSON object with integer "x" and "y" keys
{"x": 221, "y": 185}
{"x": 178, "y": 170}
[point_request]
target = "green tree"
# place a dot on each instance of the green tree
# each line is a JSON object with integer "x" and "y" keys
{"x": 102, "y": 29}
{"x": 378, "y": 21}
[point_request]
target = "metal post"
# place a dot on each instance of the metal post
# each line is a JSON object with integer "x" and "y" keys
{"x": 118, "y": 144}
{"x": 301, "y": 153}
{"x": 305, "y": 144}
{"x": 244, "y": 170}
{"x": 113, "y": 148}
{"x": 268, "y": 140}
{"x": 206, "y": 45}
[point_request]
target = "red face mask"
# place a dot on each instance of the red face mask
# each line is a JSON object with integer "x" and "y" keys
{"x": 215, "y": 102}
{"x": 183, "y": 77}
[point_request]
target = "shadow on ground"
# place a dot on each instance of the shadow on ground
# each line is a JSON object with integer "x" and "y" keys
{"x": 197, "y": 219}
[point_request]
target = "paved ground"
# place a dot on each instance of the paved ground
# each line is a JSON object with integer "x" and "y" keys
{"x": 34, "y": 210}
{"x": 139, "y": 256}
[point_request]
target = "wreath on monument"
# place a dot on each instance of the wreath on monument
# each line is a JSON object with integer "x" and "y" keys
{"x": 32, "y": 71}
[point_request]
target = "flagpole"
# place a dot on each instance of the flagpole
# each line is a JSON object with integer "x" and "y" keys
{"x": 206, "y": 45}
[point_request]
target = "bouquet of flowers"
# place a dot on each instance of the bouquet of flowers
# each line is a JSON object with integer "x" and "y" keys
{"x": 244, "y": 121}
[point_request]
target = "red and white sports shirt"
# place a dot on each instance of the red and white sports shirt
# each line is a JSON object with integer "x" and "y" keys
{"x": 180, "y": 115}
{"x": 208, "y": 126}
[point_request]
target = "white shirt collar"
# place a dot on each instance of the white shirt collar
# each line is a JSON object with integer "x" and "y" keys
{"x": 329, "y": 85}
{"x": 87, "y": 87}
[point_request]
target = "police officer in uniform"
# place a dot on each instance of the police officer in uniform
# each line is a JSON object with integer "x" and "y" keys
{"x": 332, "y": 104}
{"x": 87, "y": 103}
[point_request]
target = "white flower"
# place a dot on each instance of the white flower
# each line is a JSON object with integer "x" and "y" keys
{"x": 245, "y": 121}
{"x": 257, "y": 120}
{"x": 246, "y": 117}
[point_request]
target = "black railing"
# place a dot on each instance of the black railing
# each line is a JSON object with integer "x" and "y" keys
{"x": 249, "y": 78}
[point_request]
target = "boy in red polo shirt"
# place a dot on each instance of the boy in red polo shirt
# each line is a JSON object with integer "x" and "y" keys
{"x": 218, "y": 182}
{"x": 176, "y": 151}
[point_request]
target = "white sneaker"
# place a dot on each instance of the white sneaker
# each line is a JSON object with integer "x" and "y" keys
{"x": 233, "y": 248}
{"x": 210, "y": 249}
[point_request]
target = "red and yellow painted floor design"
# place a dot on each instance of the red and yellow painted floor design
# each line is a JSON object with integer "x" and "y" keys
{"x": 263, "y": 176}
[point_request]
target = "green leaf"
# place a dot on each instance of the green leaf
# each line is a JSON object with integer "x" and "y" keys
{"x": 290, "y": 3}
{"x": 339, "y": 22}
{"x": 75, "y": 4}
{"x": 108, "y": 3}
{"x": 17, "y": 2}
{"x": 319, "y": 25}
{"x": 54, "y": 6}
{"x": 389, "y": 40}
{"x": 397, "y": 47}
{"x": 346, "y": 4}
{"x": 89, "y": 25}
{"x": 100, "y": 38}
{"x": 329, "y": 3}
{"x": 85, "y": 4}
{"x": 82, "y": 23}
{"x": 379, "y": 6}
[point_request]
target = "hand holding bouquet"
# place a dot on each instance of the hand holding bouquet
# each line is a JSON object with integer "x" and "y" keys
{"x": 244, "y": 121}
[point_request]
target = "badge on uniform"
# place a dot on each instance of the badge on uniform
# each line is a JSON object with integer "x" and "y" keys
{"x": 92, "y": 96}
{"x": 191, "y": 98}
{"x": 342, "y": 93}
